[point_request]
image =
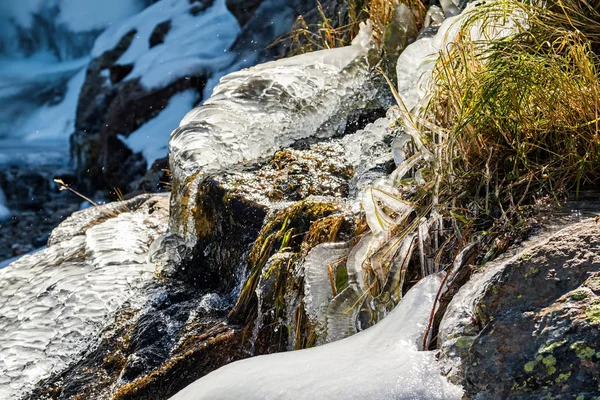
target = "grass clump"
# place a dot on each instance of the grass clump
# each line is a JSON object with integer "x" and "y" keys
{"x": 336, "y": 26}
{"x": 517, "y": 116}
{"x": 512, "y": 117}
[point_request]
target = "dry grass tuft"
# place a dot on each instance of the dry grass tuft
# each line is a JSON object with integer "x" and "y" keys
{"x": 338, "y": 30}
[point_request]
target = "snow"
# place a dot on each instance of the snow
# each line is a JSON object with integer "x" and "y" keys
{"x": 193, "y": 43}
{"x": 5, "y": 213}
{"x": 382, "y": 362}
{"x": 152, "y": 138}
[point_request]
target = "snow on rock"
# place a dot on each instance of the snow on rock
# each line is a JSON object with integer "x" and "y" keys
{"x": 381, "y": 362}
{"x": 192, "y": 44}
{"x": 152, "y": 138}
{"x": 53, "y": 302}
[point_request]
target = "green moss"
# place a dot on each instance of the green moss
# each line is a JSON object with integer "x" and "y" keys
{"x": 530, "y": 366}
{"x": 550, "y": 346}
{"x": 563, "y": 377}
{"x": 593, "y": 313}
{"x": 549, "y": 362}
{"x": 579, "y": 294}
{"x": 583, "y": 351}
{"x": 532, "y": 271}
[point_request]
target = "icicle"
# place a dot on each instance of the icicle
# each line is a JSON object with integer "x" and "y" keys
{"x": 319, "y": 284}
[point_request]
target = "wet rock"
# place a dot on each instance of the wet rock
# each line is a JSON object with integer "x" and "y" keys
{"x": 527, "y": 326}
{"x": 231, "y": 206}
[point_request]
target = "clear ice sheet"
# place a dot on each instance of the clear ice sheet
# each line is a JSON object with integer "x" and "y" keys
{"x": 55, "y": 301}
{"x": 263, "y": 108}
{"x": 381, "y": 362}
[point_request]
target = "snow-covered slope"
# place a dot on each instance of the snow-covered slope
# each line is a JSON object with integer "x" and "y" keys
{"x": 381, "y": 362}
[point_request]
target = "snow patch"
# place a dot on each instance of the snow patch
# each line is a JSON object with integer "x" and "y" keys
{"x": 193, "y": 43}
{"x": 382, "y": 362}
{"x": 152, "y": 138}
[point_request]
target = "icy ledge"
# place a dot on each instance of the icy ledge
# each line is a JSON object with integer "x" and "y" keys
{"x": 259, "y": 110}
{"x": 381, "y": 362}
{"x": 53, "y": 302}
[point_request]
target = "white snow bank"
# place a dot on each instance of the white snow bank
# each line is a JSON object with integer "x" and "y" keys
{"x": 381, "y": 363}
{"x": 152, "y": 138}
{"x": 193, "y": 43}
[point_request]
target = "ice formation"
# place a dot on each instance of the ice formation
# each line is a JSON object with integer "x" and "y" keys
{"x": 53, "y": 301}
{"x": 259, "y": 110}
{"x": 381, "y": 362}
{"x": 4, "y": 211}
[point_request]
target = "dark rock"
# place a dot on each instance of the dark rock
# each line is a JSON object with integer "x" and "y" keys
{"x": 119, "y": 72}
{"x": 157, "y": 178}
{"x": 528, "y": 326}
{"x": 243, "y": 10}
{"x": 231, "y": 206}
{"x": 27, "y": 190}
{"x": 158, "y": 34}
{"x": 108, "y": 107}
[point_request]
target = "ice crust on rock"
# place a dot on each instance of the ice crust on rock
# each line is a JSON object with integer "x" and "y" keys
{"x": 381, "y": 362}
{"x": 259, "y": 110}
{"x": 53, "y": 302}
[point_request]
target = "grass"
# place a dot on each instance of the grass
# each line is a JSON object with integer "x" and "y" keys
{"x": 511, "y": 125}
{"x": 338, "y": 30}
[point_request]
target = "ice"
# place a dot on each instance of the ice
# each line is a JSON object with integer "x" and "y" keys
{"x": 381, "y": 362}
{"x": 319, "y": 266}
{"x": 54, "y": 301}
{"x": 152, "y": 138}
{"x": 5, "y": 213}
{"x": 22, "y": 85}
{"x": 259, "y": 110}
{"x": 66, "y": 28}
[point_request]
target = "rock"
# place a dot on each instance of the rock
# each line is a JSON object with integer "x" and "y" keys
{"x": 527, "y": 326}
{"x": 118, "y": 97}
{"x": 243, "y": 10}
{"x": 158, "y": 34}
{"x": 157, "y": 178}
{"x": 36, "y": 207}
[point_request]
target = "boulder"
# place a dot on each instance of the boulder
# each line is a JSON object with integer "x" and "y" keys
{"x": 526, "y": 326}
